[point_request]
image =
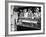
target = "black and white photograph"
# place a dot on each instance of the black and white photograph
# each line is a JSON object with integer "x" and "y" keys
{"x": 25, "y": 18}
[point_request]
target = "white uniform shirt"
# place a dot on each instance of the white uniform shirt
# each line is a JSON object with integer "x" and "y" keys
{"x": 26, "y": 14}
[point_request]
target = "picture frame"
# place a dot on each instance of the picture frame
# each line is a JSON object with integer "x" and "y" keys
{"x": 22, "y": 4}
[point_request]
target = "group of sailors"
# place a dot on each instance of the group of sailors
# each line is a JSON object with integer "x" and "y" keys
{"x": 30, "y": 14}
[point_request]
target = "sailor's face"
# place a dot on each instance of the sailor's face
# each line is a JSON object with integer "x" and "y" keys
{"x": 37, "y": 10}
{"x": 20, "y": 10}
{"x": 29, "y": 11}
{"x": 25, "y": 10}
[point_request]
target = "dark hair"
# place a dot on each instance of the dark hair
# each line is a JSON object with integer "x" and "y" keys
{"x": 15, "y": 9}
